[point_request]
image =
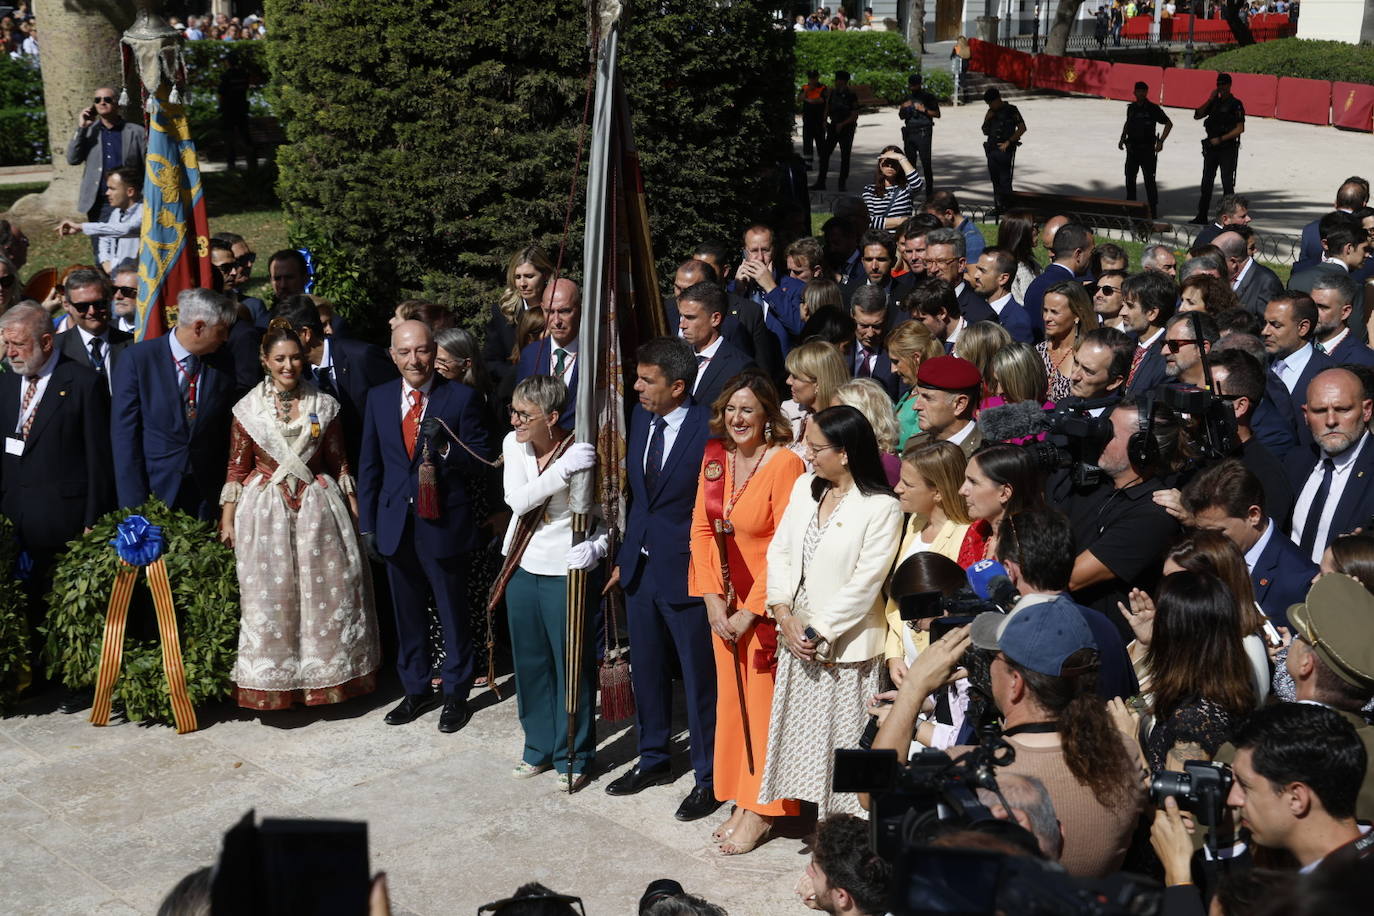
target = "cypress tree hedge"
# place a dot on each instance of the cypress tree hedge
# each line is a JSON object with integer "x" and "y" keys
{"x": 429, "y": 139}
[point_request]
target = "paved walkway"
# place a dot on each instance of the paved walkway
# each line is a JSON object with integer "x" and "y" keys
{"x": 105, "y": 821}
{"x": 1289, "y": 171}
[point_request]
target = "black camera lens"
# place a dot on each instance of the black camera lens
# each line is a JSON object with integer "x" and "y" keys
{"x": 1168, "y": 784}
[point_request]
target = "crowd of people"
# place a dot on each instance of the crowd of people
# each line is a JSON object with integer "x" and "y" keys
{"x": 221, "y": 27}
{"x": 844, "y": 439}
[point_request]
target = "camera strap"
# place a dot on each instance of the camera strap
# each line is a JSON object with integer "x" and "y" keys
{"x": 1031, "y": 728}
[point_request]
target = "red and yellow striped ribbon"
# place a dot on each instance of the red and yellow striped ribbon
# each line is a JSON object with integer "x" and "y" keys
{"x": 111, "y": 652}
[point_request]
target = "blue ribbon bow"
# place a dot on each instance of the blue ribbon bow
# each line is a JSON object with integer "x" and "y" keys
{"x": 137, "y": 541}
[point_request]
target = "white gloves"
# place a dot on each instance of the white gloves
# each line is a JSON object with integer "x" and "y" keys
{"x": 578, "y": 457}
{"x": 587, "y": 554}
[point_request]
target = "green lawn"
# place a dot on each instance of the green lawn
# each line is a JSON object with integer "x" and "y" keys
{"x": 235, "y": 202}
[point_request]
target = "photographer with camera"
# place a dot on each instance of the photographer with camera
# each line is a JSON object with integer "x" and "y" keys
{"x": 1043, "y": 677}
{"x": 1120, "y": 531}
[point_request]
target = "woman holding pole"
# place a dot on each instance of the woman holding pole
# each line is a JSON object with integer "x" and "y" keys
{"x": 746, "y": 480}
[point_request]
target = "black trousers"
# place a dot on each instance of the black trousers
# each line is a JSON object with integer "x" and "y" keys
{"x": 916, "y": 145}
{"x": 844, "y": 138}
{"x": 813, "y": 128}
{"x": 1143, "y": 158}
{"x": 1000, "y": 166}
{"x": 1217, "y": 158}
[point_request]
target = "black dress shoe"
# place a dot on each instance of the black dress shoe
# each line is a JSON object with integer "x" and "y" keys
{"x": 77, "y": 700}
{"x": 700, "y": 802}
{"x": 456, "y": 714}
{"x": 634, "y": 780}
{"x": 412, "y": 707}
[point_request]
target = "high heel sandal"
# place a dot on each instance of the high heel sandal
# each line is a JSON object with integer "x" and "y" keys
{"x": 721, "y": 834}
{"x": 734, "y": 848}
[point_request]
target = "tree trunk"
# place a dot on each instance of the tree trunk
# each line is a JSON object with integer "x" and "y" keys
{"x": 80, "y": 54}
{"x": 916, "y": 25}
{"x": 1065, "y": 15}
{"x": 1230, "y": 11}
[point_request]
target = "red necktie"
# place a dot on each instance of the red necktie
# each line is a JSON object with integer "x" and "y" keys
{"x": 410, "y": 423}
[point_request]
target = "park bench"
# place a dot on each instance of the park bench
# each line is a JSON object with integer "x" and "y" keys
{"x": 1094, "y": 212}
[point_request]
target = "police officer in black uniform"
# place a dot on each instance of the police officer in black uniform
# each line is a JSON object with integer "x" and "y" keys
{"x": 842, "y": 117}
{"x": 918, "y": 114}
{"x": 1003, "y": 127}
{"x": 1225, "y": 123}
{"x": 1141, "y": 145}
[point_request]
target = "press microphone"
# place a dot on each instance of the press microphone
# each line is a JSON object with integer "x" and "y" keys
{"x": 1009, "y": 422}
{"x": 991, "y": 582}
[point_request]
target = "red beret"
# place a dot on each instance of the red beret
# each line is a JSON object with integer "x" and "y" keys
{"x": 948, "y": 372}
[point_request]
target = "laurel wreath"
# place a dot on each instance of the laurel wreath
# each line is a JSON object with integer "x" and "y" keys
{"x": 205, "y": 591}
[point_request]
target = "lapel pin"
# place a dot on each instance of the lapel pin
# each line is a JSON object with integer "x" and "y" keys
{"x": 1264, "y": 582}
{"x": 61, "y": 394}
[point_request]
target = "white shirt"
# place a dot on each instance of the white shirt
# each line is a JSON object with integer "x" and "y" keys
{"x": 1253, "y": 554}
{"x": 86, "y": 338}
{"x": 526, "y": 489}
{"x": 1290, "y": 368}
{"x": 954, "y": 334}
{"x": 118, "y": 237}
{"x": 1147, "y": 342}
{"x": 1306, "y": 869}
{"x": 1333, "y": 343}
{"x": 1340, "y": 476}
{"x": 709, "y": 352}
{"x": 179, "y": 353}
{"x": 959, "y": 437}
{"x": 999, "y": 304}
{"x": 1235, "y": 284}
{"x": 1326, "y": 259}
{"x": 569, "y": 361}
{"x": 674, "y": 421}
{"x": 424, "y": 389}
{"x": 44, "y": 375}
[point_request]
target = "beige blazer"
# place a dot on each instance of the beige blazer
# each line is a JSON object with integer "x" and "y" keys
{"x": 844, "y": 580}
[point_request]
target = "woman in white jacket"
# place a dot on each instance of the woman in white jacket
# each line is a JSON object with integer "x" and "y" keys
{"x": 826, "y": 566}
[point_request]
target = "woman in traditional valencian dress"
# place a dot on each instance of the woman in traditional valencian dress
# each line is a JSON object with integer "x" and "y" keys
{"x": 308, "y": 632}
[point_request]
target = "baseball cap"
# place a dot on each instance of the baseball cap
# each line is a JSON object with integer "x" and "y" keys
{"x": 1337, "y": 621}
{"x": 1041, "y": 637}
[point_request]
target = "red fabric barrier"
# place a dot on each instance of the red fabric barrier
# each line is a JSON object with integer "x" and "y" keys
{"x": 981, "y": 55}
{"x": 1071, "y": 74}
{"x": 1121, "y": 82}
{"x": 1352, "y": 106}
{"x": 1257, "y": 92}
{"x": 1138, "y": 27}
{"x": 1188, "y": 88}
{"x": 1305, "y": 101}
{"x": 1014, "y": 67}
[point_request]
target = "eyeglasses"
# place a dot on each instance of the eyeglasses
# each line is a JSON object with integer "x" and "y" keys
{"x": 227, "y": 268}
{"x": 108, "y": 99}
{"x": 127, "y": 292}
{"x": 940, "y": 262}
{"x": 817, "y": 449}
{"x": 1173, "y": 346}
{"x": 99, "y": 305}
{"x": 522, "y": 417}
{"x": 1108, "y": 290}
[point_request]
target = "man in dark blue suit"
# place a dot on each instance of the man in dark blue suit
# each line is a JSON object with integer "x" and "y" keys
{"x": 701, "y": 310}
{"x": 347, "y": 369}
{"x": 1350, "y": 196}
{"x": 759, "y": 278}
{"x": 1334, "y": 295}
{"x": 1333, "y": 479}
{"x": 741, "y": 325}
{"x": 878, "y": 254}
{"x": 1227, "y": 497}
{"x": 1072, "y": 255}
{"x": 991, "y": 277}
{"x": 869, "y": 308}
{"x": 425, "y": 557}
{"x": 667, "y": 440}
{"x": 1147, "y": 303}
{"x": 556, "y": 353}
{"x": 169, "y": 422}
{"x": 1290, "y": 324}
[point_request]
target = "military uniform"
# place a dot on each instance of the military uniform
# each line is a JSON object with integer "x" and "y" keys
{"x": 843, "y": 103}
{"x": 1141, "y": 156}
{"x": 999, "y": 126}
{"x": 917, "y": 130}
{"x": 1223, "y": 116}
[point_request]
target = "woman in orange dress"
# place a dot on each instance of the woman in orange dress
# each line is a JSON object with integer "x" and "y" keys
{"x": 746, "y": 482}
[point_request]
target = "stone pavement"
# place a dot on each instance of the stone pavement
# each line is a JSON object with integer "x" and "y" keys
{"x": 1289, "y": 171}
{"x": 105, "y": 821}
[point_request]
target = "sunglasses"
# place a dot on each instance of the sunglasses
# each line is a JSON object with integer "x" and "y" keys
{"x": 1173, "y": 346}
{"x": 246, "y": 261}
{"x": 7, "y": 281}
{"x": 109, "y": 99}
{"x": 99, "y": 305}
{"x": 127, "y": 292}
{"x": 1108, "y": 290}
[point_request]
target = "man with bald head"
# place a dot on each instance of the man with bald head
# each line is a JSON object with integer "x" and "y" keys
{"x": 1048, "y": 231}
{"x": 1254, "y": 284}
{"x": 426, "y": 558}
{"x": 1332, "y": 481}
{"x": 556, "y": 352}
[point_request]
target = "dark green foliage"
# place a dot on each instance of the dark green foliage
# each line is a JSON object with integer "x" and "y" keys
{"x": 14, "y": 626}
{"x": 206, "y": 61}
{"x": 205, "y": 592}
{"x": 429, "y": 140}
{"x": 23, "y": 122}
{"x": 853, "y": 51}
{"x": 1300, "y": 57}
{"x": 890, "y": 86}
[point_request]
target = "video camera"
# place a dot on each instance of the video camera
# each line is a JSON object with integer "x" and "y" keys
{"x": 1212, "y": 423}
{"x": 1073, "y": 438}
{"x": 910, "y": 804}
